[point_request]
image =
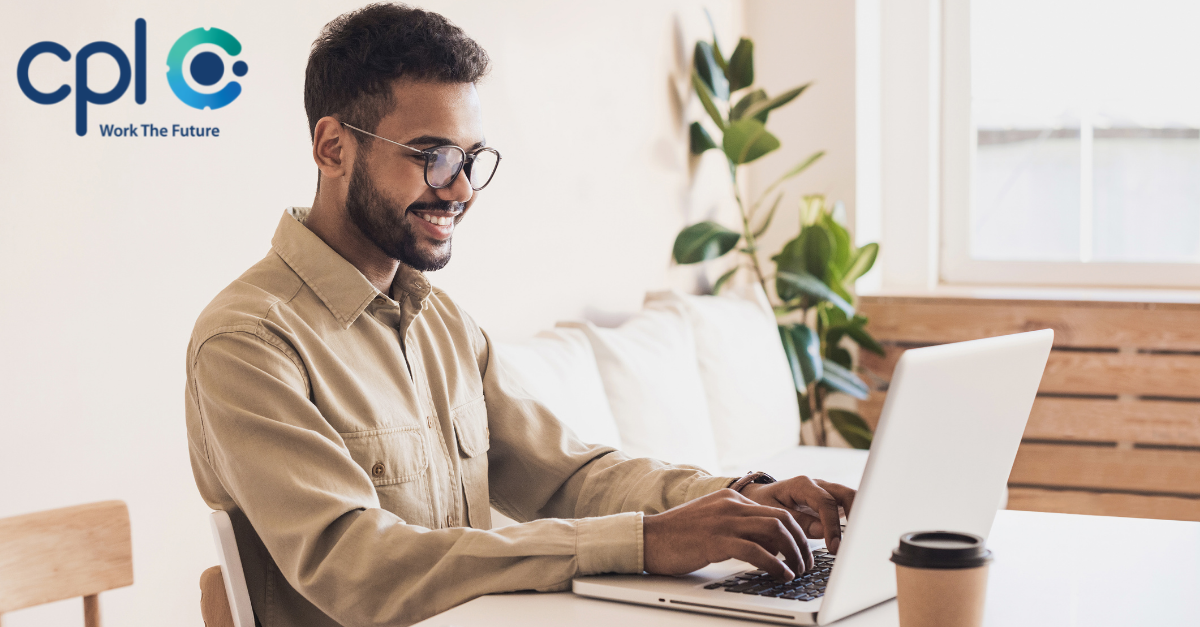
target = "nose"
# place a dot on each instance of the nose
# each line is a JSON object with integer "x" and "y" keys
{"x": 458, "y": 191}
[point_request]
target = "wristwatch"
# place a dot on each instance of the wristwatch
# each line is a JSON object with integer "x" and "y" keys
{"x": 753, "y": 477}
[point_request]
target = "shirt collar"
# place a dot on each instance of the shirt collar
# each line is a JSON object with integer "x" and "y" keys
{"x": 343, "y": 289}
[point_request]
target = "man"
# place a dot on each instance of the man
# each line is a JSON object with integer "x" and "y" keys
{"x": 353, "y": 419}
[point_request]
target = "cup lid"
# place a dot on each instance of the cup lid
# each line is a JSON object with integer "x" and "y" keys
{"x": 941, "y": 549}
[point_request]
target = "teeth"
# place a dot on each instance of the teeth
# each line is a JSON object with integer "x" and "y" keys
{"x": 438, "y": 220}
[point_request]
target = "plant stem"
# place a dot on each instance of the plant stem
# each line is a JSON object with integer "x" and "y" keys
{"x": 748, "y": 233}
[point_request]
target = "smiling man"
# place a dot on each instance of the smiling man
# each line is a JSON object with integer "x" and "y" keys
{"x": 357, "y": 426}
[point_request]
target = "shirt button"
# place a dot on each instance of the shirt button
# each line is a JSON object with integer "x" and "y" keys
{"x": 449, "y": 521}
{"x": 377, "y": 469}
{"x": 429, "y": 421}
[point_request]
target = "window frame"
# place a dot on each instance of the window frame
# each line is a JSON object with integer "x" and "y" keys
{"x": 958, "y": 146}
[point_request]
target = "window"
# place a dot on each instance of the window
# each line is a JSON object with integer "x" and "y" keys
{"x": 1071, "y": 142}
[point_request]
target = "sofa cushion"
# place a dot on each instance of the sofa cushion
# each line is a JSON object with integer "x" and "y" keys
{"x": 557, "y": 367}
{"x": 648, "y": 366}
{"x": 747, "y": 381}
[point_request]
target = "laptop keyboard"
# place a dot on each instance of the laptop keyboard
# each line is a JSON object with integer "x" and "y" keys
{"x": 807, "y": 587}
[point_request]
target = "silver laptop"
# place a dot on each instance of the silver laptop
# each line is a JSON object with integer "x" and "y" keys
{"x": 942, "y": 454}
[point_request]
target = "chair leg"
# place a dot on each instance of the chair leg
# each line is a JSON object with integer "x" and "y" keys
{"x": 91, "y": 610}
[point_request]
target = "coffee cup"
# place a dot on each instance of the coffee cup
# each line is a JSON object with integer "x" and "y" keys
{"x": 941, "y": 579}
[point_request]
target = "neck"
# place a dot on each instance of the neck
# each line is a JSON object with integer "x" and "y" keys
{"x": 332, "y": 224}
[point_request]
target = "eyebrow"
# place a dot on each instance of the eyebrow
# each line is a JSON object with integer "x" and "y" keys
{"x": 434, "y": 140}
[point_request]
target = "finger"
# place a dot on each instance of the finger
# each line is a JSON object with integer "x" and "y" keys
{"x": 810, "y": 524}
{"x": 826, "y": 507}
{"x": 776, "y": 538}
{"x": 748, "y": 551}
{"x": 845, "y": 496}
{"x": 796, "y": 540}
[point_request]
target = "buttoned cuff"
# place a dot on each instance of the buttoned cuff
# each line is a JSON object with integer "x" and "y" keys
{"x": 707, "y": 485}
{"x": 609, "y": 544}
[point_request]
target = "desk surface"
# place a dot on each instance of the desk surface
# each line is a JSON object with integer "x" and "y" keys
{"x": 1055, "y": 570}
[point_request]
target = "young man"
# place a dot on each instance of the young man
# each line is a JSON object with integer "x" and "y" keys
{"x": 353, "y": 419}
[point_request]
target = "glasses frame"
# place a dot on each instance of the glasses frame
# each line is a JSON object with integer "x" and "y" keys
{"x": 468, "y": 159}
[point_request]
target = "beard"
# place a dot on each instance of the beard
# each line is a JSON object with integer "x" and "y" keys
{"x": 386, "y": 223}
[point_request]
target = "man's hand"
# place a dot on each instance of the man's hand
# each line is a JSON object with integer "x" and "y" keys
{"x": 814, "y": 504}
{"x": 720, "y": 526}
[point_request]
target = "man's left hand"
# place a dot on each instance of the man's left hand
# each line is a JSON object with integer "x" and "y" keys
{"x": 812, "y": 502}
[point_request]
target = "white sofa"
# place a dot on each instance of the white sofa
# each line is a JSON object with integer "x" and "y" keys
{"x": 690, "y": 379}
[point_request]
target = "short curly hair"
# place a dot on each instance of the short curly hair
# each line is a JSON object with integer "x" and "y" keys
{"x": 358, "y": 55}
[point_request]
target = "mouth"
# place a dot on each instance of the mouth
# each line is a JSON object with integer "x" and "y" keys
{"x": 437, "y": 224}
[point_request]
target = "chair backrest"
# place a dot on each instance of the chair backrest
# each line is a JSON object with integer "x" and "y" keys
{"x": 232, "y": 574}
{"x": 59, "y": 554}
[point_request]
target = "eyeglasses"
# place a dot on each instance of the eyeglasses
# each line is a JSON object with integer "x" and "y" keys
{"x": 444, "y": 163}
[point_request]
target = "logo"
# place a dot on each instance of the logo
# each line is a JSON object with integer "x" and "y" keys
{"x": 206, "y": 68}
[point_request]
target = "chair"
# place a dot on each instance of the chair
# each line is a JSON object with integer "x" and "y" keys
{"x": 224, "y": 597}
{"x": 59, "y": 554}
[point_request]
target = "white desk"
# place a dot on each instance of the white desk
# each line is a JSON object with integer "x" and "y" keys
{"x": 1055, "y": 570}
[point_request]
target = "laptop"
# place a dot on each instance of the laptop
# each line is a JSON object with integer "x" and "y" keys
{"x": 942, "y": 453}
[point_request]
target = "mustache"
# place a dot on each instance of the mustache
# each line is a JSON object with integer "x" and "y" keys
{"x": 452, "y": 206}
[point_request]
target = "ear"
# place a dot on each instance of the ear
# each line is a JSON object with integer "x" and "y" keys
{"x": 333, "y": 148}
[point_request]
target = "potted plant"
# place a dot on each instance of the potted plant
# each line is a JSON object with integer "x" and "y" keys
{"x": 815, "y": 271}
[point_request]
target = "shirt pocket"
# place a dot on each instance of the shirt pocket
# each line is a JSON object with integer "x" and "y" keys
{"x": 471, "y": 433}
{"x": 389, "y": 456}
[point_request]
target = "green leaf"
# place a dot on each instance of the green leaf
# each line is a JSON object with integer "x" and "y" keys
{"x": 842, "y": 244}
{"x": 703, "y": 241}
{"x": 723, "y": 278}
{"x": 755, "y": 96}
{"x": 700, "y": 139}
{"x": 741, "y": 65}
{"x": 852, "y": 427}
{"x": 803, "y": 349}
{"x": 767, "y": 221}
{"x": 858, "y": 333}
{"x": 710, "y": 71}
{"x": 802, "y": 166}
{"x": 811, "y": 286}
{"x": 818, "y": 249}
{"x": 861, "y": 261}
{"x": 747, "y": 140}
{"x": 706, "y": 99}
{"x": 843, "y": 380}
{"x": 767, "y": 106}
{"x": 838, "y": 355}
{"x": 716, "y": 47}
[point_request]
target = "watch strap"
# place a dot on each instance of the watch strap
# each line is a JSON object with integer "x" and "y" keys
{"x": 752, "y": 477}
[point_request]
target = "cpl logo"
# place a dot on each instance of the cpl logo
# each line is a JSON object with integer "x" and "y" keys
{"x": 206, "y": 69}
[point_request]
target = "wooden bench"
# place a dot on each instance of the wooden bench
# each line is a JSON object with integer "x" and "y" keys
{"x": 1115, "y": 429}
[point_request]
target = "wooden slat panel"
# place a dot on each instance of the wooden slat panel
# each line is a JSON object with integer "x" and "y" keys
{"x": 1072, "y": 372}
{"x": 1119, "y": 373}
{"x": 64, "y": 553}
{"x": 1151, "y": 422}
{"x": 1148, "y": 470}
{"x": 1147, "y": 422}
{"x": 1104, "y": 504}
{"x": 1087, "y": 324}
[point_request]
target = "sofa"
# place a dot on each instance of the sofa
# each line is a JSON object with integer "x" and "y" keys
{"x": 700, "y": 380}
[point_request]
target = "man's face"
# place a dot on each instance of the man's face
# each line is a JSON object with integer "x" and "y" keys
{"x": 387, "y": 198}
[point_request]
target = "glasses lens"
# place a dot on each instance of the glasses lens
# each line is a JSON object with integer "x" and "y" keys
{"x": 444, "y": 164}
{"x": 483, "y": 167}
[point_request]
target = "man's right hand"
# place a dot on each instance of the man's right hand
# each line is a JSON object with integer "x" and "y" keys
{"x": 720, "y": 526}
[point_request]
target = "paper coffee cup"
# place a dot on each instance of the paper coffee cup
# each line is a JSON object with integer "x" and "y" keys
{"x": 941, "y": 579}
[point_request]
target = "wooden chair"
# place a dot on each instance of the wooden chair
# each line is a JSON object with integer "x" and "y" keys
{"x": 224, "y": 597}
{"x": 59, "y": 554}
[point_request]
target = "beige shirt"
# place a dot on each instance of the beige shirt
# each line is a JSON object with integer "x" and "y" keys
{"x": 357, "y": 442}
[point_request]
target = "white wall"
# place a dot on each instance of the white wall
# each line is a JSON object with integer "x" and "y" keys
{"x": 110, "y": 247}
{"x": 796, "y": 43}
